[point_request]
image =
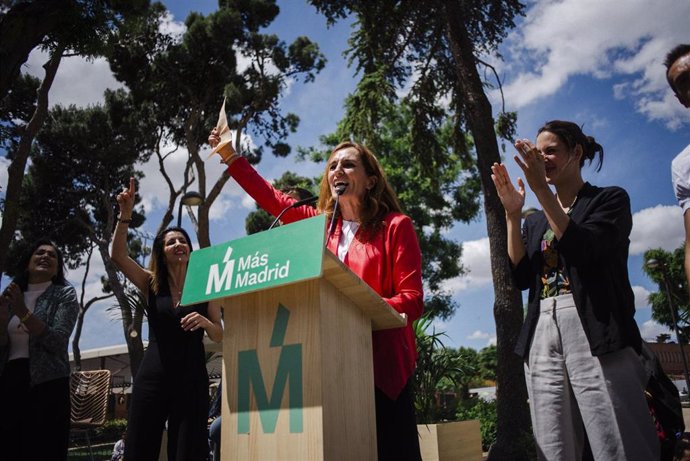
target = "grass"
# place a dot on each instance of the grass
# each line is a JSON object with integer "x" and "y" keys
{"x": 101, "y": 452}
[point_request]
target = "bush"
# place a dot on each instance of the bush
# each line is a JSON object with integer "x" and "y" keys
{"x": 112, "y": 429}
{"x": 485, "y": 412}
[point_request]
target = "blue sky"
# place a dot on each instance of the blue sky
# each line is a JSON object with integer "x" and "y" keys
{"x": 592, "y": 62}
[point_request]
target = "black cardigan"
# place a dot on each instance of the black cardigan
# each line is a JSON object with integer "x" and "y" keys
{"x": 594, "y": 254}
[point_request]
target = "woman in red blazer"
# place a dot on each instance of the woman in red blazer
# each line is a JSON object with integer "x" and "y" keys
{"x": 379, "y": 244}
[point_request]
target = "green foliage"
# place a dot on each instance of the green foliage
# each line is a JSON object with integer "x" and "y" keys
{"x": 663, "y": 338}
{"x": 430, "y": 51}
{"x": 182, "y": 77}
{"x": 669, "y": 273}
{"x": 485, "y": 412}
{"x": 437, "y": 369}
{"x": 260, "y": 220}
{"x": 488, "y": 363}
{"x": 506, "y": 125}
{"x": 80, "y": 161}
{"x": 112, "y": 429}
{"x": 16, "y": 109}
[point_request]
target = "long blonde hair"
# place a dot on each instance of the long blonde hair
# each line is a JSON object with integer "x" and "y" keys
{"x": 378, "y": 201}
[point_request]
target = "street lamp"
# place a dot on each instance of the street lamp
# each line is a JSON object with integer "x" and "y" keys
{"x": 654, "y": 264}
{"x": 189, "y": 199}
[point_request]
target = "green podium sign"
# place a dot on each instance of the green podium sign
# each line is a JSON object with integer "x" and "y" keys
{"x": 284, "y": 255}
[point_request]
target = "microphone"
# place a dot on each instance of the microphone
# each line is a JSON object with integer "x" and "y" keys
{"x": 339, "y": 190}
{"x": 304, "y": 201}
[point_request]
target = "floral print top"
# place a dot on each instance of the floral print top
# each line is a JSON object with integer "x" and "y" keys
{"x": 553, "y": 278}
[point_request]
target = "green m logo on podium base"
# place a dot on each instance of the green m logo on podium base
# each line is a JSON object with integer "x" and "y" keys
{"x": 251, "y": 377}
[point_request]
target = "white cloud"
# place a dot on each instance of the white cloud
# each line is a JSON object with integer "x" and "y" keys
{"x": 477, "y": 262}
{"x": 172, "y": 28}
{"x": 650, "y": 330}
{"x": 657, "y": 227}
{"x": 641, "y": 296}
{"x": 78, "y": 81}
{"x": 562, "y": 39}
{"x": 477, "y": 334}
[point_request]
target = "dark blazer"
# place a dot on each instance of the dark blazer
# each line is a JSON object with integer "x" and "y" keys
{"x": 594, "y": 254}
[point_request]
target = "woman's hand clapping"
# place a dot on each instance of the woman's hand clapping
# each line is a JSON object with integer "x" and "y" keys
{"x": 531, "y": 161}
{"x": 512, "y": 199}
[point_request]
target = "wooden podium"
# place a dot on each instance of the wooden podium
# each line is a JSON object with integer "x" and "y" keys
{"x": 297, "y": 352}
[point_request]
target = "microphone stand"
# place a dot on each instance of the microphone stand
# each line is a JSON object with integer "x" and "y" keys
{"x": 338, "y": 191}
{"x": 294, "y": 205}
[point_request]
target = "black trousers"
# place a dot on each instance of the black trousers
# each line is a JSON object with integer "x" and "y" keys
{"x": 186, "y": 410}
{"x": 396, "y": 426}
{"x": 34, "y": 421}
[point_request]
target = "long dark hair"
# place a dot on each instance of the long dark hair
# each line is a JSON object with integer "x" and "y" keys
{"x": 23, "y": 278}
{"x": 571, "y": 134}
{"x": 158, "y": 266}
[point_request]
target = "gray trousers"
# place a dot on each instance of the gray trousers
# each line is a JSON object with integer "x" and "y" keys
{"x": 570, "y": 391}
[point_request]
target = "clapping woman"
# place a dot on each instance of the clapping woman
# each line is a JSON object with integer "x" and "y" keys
{"x": 172, "y": 383}
{"x": 579, "y": 340}
{"x": 38, "y": 311}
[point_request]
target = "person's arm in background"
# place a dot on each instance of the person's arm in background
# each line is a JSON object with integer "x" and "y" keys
{"x": 680, "y": 176}
{"x": 686, "y": 265}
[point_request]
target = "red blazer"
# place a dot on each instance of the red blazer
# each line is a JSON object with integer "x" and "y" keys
{"x": 390, "y": 262}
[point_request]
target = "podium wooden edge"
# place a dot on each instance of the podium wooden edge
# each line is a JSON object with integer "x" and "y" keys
{"x": 382, "y": 315}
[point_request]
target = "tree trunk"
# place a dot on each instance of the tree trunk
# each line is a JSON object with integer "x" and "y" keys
{"x": 22, "y": 29}
{"x": 131, "y": 323}
{"x": 513, "y": 419}
{"x": 15, "y": 172}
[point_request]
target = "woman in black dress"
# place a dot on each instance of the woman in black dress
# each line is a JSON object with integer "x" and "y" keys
{"x": 171, "y": 383}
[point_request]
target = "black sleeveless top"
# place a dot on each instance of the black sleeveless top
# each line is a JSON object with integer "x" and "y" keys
{"x": 173, "y": 355}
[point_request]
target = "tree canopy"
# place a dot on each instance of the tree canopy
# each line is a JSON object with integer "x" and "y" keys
{"x": 669, "y": 273}
{"x": 431, "y": 52}
{"x": 181, "y": 78}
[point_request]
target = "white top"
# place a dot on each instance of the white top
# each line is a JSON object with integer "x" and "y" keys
{"x": 680, "y": 174}
{"x": 349, "y": 230}
{"x": 18, "y": 334}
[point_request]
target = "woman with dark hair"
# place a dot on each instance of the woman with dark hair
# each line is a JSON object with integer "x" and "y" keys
{"x": 38, "y": 311}
{"x": 579, "y": 340}
{"x": 172, "y": 383}
{"x": 379, "y": 244}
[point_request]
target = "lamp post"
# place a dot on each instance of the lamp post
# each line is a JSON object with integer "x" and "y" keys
{"x": 189, "y": 199}
{"x": 654, "y": 264}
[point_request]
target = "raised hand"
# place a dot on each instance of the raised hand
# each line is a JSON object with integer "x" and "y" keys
{"x": 226, "y": 151}
{"x": 125, "y": 200}
{"x": 214, "y": 137}
{"x": 531, "y": 161}
{"x": 512, "y": 199}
